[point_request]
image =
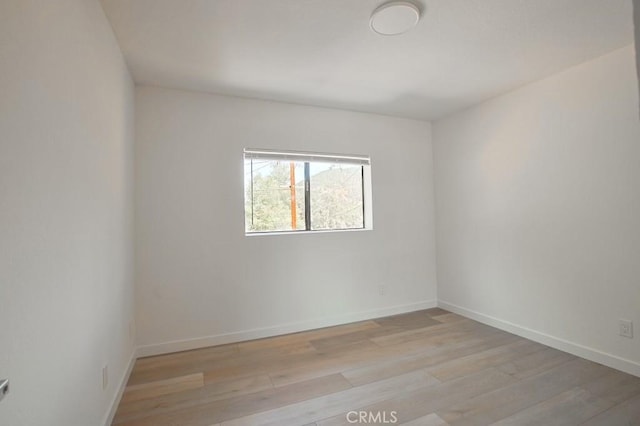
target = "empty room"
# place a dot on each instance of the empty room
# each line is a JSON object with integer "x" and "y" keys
{"x": 319, "y": 212}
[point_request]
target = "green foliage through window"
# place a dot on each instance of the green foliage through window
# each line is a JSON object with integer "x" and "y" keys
{"x": 283, "y": 195}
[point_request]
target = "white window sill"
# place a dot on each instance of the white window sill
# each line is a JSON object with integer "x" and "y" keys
{"x": 324, "y": 231}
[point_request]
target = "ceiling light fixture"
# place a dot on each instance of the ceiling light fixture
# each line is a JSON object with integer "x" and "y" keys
{"x": 394, "y": 18}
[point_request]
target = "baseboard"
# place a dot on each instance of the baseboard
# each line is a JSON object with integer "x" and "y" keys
{"x": 591, "y": 354}
{"x": 121, "y": 386}
{"x": 259, "y": 333}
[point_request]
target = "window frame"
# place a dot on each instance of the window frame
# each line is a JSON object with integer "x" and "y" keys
{"x": 306, "y": 158}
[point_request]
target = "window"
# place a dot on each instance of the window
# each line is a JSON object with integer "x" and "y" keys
{"x": 295, "y": 191}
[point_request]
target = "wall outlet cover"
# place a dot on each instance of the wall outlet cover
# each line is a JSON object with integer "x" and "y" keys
{"x": 626, "y": 328}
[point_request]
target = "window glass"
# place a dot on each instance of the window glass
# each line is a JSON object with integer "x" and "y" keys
{"x": 336, "y": 196}
{"x": 274, "y": 196}
{"x": 293, "y": 191}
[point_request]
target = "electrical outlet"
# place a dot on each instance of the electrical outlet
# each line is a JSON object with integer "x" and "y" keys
{"x": 105, "y": 377}
{"x": 381, "y": 290}
{"x": 626, "y": 328}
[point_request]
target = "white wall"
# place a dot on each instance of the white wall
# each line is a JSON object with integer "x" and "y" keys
{"x": 66, "y": 145}
{"x": 199, "y": 277}
{"x": 538, "y": 209}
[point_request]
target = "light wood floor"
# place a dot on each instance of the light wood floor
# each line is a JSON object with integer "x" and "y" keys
{"x": 429, "y": 367}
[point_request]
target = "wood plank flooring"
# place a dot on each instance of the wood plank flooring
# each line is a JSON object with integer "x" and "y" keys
{"x": 424, "y": 368}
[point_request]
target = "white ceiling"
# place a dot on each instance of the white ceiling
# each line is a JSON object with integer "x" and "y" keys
{"x": 322, "y": 52}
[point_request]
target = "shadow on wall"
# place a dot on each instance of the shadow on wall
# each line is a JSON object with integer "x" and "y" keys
{"x": 404, "y": 105}
{"x": 636, "y": 20}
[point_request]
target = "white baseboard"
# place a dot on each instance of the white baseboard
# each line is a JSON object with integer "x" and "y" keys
{"x": 591, "y": 354}
{"x": 121, "y": 386}
{"x": 259, "y": 333}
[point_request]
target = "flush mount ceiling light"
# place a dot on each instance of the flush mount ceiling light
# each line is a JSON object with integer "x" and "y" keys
{"x": 394, "y": 18}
